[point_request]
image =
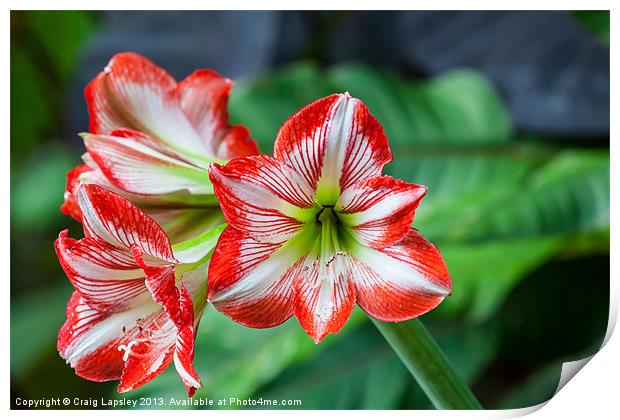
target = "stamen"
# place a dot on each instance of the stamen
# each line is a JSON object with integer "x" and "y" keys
{"x": 127, "y": 349}
{"x": 150, "y": 332}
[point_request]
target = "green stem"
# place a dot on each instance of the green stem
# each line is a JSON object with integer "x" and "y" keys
{"x": 428, "y": 364}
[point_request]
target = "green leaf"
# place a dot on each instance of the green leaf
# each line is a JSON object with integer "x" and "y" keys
{"x": 264, "y": 104}
{"x": 568, "y": 195}
{"x": 360, "y": 372}
{"x": 69, "y": 28}
{"x": 482, "y": 276}
{"x": 455, "y": 108}
{"x": 32, "y": 113}
{"x": 36, "y": 191}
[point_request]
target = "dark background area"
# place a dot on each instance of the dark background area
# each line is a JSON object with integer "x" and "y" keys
{"x": 503, "y": 115}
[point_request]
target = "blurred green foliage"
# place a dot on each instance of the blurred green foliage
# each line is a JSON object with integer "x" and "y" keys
{"x": 596, "y": 21}
{"x": 522, "y": 222}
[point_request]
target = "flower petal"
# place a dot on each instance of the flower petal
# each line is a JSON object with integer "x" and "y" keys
{"x": 236, "y": 142}
{"x": 115, "y": 220}
{"x": 262, "y": 197}
{"x": 204, "y": 98}
{"x": 134, "y": 93}
{"x": 160, "y": 280}
{"x": 157, "y": 344}
{"x": 333, "y": 143}
{"x": 380, "y": 210}
{"x": 323, "y": 306}
{"x": 251, "y": 281}
{"x": 107, "y": 278}
{"x": 184, "y": 349}
{"x": 401, "y": 281}
{"x": 148, "y": 350}
{"x": 70, "y": 206}
{"x": 132, "y": 164}
{"x": 89, "y": 340}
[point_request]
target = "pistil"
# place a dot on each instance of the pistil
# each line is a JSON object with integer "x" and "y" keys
{"x": 330, "y": 253}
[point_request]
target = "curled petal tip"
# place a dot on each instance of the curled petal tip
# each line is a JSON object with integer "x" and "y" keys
{"x": 214, "y": 166}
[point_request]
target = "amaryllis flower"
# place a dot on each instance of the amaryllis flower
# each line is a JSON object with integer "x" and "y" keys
{"x": 316, "y": 228}
{"x": 151, "y": 139}
{"x": 132, "y": 312}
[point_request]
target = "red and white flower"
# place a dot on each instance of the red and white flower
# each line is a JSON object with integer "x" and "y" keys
{"x": 132, "y": 312}
{"x": 151, "y": 139}
{"x": 317, "y": 228}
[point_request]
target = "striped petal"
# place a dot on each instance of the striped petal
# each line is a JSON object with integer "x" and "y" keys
{"x": 156, "y": 345}
{"x": 333, "y": 143}
{"x": 70, "y": 206}
{"x": 134, "y": 93}
{"x": 401, "y": 281}
{"x": 325, "y": 298}
{"x": 236, "y": 142}
{"x": 90, "y": 340}
{"x": 263, "y": 197}
{"x": 133, "y": 164}
{"x": 108, "y": 278}
{"x": 160, "y": 280}
{"x": 112, "y": 219}
{"x": 204, "y": 98}
{"x": 380, "y": 210}
{"x": 136, "y": 344}
{"x": 184, "y": 347}
{"x": 251, "y": 281}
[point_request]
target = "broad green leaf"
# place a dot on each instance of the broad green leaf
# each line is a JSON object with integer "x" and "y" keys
{"x": 568, "y": 195}
{"x": 482, "y": 275}
{"x": 458, "y": 107}
{"x": 264, "y": 104}
{"x": 358, "y": 373}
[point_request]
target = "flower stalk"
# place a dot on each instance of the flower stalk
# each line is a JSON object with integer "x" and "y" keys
{"x": 430, "y": 367}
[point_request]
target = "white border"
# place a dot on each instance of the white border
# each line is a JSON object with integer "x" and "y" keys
{"x": 592, "y": 393}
